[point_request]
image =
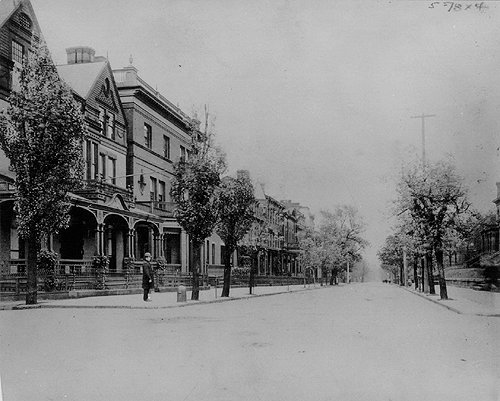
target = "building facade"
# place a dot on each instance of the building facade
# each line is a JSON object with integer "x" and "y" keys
{"x": 157, "y": 136}
{"x": 135, "y": 136}
{"x": 18, "y": 30}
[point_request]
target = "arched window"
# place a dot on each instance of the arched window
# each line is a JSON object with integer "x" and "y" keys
{"x": 25, "y": 21}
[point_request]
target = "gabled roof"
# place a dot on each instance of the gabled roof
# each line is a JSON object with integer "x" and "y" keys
{"x": 9, "y": 7}
{"x": 81, "y": 77}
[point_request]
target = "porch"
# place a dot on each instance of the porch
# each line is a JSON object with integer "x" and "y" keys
{"x": 79, "y": 275}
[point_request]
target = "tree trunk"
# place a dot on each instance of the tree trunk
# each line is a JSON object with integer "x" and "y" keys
{"x": 415, "y": 272}
{"x": 425, "y": 281}
{"x": 227, "y": 271}
{"x": 430, "y": 275}
{"x": 443, "y": 292}
{"x": 31, "y": 269}
{"x": 195, "y": 269}
{"x": 251, "y": 282}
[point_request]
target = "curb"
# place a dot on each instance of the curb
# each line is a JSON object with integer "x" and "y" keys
{"x": 177, "y": 305}
{"x": 458, "y": 311}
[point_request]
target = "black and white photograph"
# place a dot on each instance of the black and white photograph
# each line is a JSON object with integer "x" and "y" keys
{"x": 249, "y": 200}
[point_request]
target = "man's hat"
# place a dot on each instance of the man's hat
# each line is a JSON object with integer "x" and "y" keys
{"x": 147, "y": 254}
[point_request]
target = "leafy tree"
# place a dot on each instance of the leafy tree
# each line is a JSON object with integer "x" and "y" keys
{"x": 311, "y": 251}
{"x": 391, "y": 256}
{"x": 41, "y": 134}
{"x": 235, "y": 198}
{"x": 435, "y": 197}
{"x": 341, "y": 237}
{"x": 194, "y": 185}
{"x": 251, "y": 246}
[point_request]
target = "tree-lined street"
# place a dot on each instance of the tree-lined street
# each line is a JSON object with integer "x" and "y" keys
{"x": 357, "y": 342}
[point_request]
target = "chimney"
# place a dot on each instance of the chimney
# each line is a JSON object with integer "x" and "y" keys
{"x": 243, "y": 174}
{"x": 80, "y": 54}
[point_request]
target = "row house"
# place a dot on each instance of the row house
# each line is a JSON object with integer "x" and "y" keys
{"x": 294, "y": 227}
{"x": 157, "y": 136}
{"x": 122, "y": 210}
{"x": 135, "y": 135}
{"x": 275, "y": 233}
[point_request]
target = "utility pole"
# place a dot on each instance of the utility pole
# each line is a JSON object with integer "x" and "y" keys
{"x": 423, "y": 117}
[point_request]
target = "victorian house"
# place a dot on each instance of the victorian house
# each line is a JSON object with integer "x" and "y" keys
{"x": 18, "y": 30}
{"x": 104, "y": 220}
{"x": 135, "y": 135}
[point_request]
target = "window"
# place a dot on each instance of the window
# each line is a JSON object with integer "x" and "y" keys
{"x": 107, "y": 122}
{"x": 208, "y": 253}
{"x": 95, "y": 162}
{"x": 25, "y": 21}
{"x": 148, "y": 136}
{"x": 223, "y": 255}
{"x": 88, "y": 159}
{"x": 166, "y": 147}
{"x": 111, "y": 126}
{"x": 161, "y": 195}
{"x": 154, "y": 189}
{"x": 17, "y": 52}
{"x": 103, "y": 166}
{"x": 183, "y": 153}
{"x": 213, "y": 254}
{"x": 112, "y": 163}
{"x": 102, "y": 120}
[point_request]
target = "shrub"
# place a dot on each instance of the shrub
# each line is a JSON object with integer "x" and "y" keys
{"x": 240, "y": 272}
{"x": 101, "y": 266}
{"x": 46, "y": 263}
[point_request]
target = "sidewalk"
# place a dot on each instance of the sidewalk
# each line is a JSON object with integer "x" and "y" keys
{"x": 461, "y": 300}
{"x": 466, "y": 301}
{"x": 160, "y": 300}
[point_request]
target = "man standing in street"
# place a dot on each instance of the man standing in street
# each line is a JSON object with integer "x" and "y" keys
{"x": 147, "y": 276}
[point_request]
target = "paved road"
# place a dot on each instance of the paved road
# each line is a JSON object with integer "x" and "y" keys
{"x": 356, "y": 342}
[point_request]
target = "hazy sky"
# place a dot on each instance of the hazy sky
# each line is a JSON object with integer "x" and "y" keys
{"x": 314, "y": 97}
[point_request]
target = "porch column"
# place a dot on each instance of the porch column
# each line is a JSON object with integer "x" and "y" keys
{"x": 161, "y": 250}
{"x": 131, "y": 242}
{"x": 184, "y": 251}
{"x": 156, "y": 245}
{"x": 109, "y": 240}
{"x": 100, "y": 239}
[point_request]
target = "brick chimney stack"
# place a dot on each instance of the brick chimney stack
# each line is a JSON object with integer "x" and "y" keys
{"x": 80, "y": 54}
{"x": 241, "y": 174}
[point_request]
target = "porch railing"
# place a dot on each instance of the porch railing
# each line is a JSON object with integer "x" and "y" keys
{"x": 73, "y": 274}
